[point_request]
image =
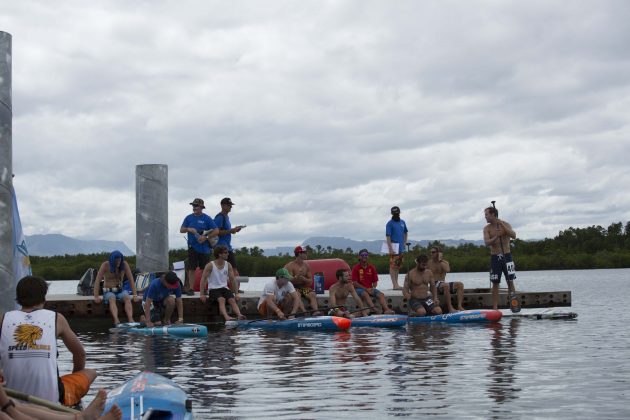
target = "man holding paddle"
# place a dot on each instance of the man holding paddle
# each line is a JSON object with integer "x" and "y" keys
{"x": 496, "y": 235}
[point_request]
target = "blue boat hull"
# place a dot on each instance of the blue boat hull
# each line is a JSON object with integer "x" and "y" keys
{"x": 180, "y": 330}
{"x": 381, "y": 321}
{"x": 320, "y": 323}
{"x": 482, "y": 315}
{"x": 149, "y": 391}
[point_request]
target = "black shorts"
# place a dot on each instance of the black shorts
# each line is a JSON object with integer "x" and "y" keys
{"x": 157, "y": 310}
{"x": 427, "y": 303}
{"x": 450, "y": 285}
{"x": 501, "y": 264}
{"x": 197, "y": 259}
{"x": 224, "y": 292}
{"x": 232, "y": 259}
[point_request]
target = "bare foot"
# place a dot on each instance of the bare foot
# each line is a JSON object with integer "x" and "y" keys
{"x": 114, "y": 413}
{"x": 317, "y": 313}
{"x": 461, "y": 308}
{"x": 389, "y": 312}
{"x": 96, "y": 406}
{"x": 241, "y": 316}
{"x": 229, "y": 318}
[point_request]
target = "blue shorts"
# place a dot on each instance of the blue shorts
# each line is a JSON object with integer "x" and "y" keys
{"x": 119, "y": 296}
{"x": 361, "y": 291}
{"x": 501, "y": 264}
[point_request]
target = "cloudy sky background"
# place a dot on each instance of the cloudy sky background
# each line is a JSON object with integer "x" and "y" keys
{"x": 316, "y": 117}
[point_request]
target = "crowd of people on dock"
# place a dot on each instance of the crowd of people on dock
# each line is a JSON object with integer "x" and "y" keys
{"x": 28, "y": 336}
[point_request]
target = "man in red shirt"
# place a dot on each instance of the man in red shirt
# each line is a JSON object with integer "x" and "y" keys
{"x": 365, "y": 279}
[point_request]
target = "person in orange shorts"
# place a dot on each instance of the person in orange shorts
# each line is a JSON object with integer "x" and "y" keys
{"x": 28, "y": 348}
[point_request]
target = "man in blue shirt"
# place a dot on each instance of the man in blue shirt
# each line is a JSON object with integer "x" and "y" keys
{"x": 160, "y": 299}
{"x": 222, "y": 220}
{"x": 199, "y": 227}
{"x": 396, "y": 233}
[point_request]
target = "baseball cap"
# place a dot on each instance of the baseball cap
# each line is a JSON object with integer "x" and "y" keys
{"x": 227, "y": 200}
{"x": 299, "y": 250}
{"x": 363, "y": 251}
{"x": 395, "y": 210}
{"x": 171, "y": 279}
{"x": 283, "y": 273}
{"x": 198, "y": 202}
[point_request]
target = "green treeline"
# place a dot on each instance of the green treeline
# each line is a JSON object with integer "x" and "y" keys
{"x": 574, "y": 248}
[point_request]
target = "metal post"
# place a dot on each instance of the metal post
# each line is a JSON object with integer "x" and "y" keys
{"x": 152, "y": 217}
{"x": 7, "y": 288}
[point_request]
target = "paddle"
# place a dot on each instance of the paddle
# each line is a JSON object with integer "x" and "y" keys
{"x": 515, "y": 305}
{"x": 39, "y": 401}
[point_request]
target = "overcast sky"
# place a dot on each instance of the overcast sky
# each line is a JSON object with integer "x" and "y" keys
{"x": 316, "y": 117}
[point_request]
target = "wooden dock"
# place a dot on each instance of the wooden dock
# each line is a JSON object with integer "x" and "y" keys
{"x": 75, "y": 307}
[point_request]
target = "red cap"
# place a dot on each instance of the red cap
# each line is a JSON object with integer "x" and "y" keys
{"x": 171, "y": 280}
{"x": 299, "y": 250}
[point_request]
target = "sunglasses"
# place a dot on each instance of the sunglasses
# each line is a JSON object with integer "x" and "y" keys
{"x": 433, "y": 252}
{"x": 365, "y": 254}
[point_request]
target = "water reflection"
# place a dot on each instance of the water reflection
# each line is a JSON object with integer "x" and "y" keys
{"x": 502, "y": 365}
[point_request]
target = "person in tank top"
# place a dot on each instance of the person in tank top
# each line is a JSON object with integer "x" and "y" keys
{"x": 219, "y": 275}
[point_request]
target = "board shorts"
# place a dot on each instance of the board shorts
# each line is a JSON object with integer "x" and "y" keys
{"x": 197, "y": 259}
{"x": 337, "y": 311}
{"x": 157, "y": 310}
{"x": 361, "y": 291}
{"x": 116, "y": 292}
{"x": 440, "y": 283}
{"x": 396, "y": 261}
{"x": 73, "y": 387}
{"x": 223, "y": 292}
{"x": 427, "y": 304}
{"x": 304, "y": 291}
{"x": 502, "y": 264}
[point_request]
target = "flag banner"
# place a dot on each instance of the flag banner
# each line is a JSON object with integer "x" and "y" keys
{"x": 21, "y": 260}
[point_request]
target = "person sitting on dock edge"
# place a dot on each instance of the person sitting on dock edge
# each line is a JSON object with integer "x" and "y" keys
{"x": 113, "y": 273}
{"x": 338, "y": 294}
{"x": 160, "y": 299}
{"x": 365, "y": 279}
{"x": 302, "y": 279}
{"x": 439, "y": 267}
{"x": 279, "y": 297}
{"x": 418, "y": 281}
{"x": 221, "y": 276}
{"x": 496, "y": 235}
{"x": 28, "y": 348}
{"x": 395, "y": 235}
{"x": 194, "y": 225}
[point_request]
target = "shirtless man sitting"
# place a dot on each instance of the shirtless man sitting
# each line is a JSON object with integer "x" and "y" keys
{"x": 113, "y": 273}
{"x": 416, "y": 290}
{"x": 439, "y": 267}
{"x": 338, "y": 293}
{"x": 302, "y": 279}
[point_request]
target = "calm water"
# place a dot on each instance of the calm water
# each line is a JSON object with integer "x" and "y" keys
{"x": 513, "y": 369}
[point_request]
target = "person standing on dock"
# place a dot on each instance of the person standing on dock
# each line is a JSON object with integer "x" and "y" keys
{"x": 279, "y": 297}
{"x": 418, "y": 282}
{"x": 302, "y": 279}
{"x": 195, "y": 224}
{"x": 365, "y": 279}
{"x": 496, "y": 235}
{"x": 396, "y": 237}
{"x": 160, "y": 299}
{"x": 28, "y": 348}
{"x": 222, "y": 221}
{"x": 113, "y": 273}
{"x": 439, "y": 267}
{"x": 221, "y": 276}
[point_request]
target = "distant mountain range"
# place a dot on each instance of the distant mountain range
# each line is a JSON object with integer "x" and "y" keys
{"x": 374, "y": 247}
{"x": 56, "y": 244}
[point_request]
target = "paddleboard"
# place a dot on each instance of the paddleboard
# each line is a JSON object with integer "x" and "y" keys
{"x": 319, "y": 323}
{"x": 175, "y": 330}
{"x": 548, "y": 313}
{"x": 481, "y": 315}
{"x": 382, "y": 321}
{"x": 149, "y": 395}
